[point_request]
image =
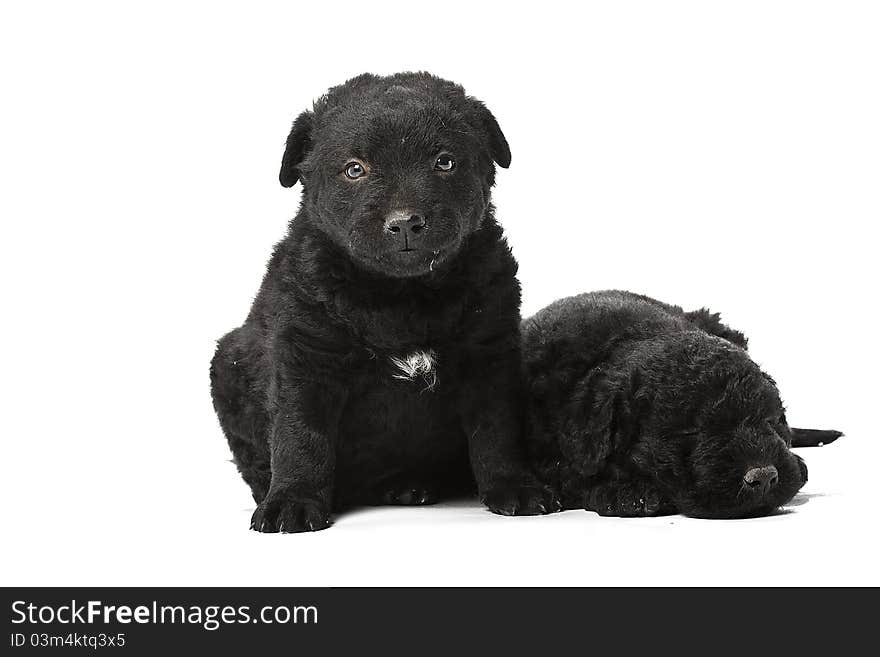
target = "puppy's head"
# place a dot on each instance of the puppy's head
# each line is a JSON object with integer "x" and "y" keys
{"x": 396, "y": 170}
{"x": 739, "y": 461}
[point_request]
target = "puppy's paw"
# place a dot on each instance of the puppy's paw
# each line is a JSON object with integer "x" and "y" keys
{"x": 288, "y": 515}
{"x": 412, "y": 495}
{"x": 519, "y": 499}
{"x": 626, "y": 500}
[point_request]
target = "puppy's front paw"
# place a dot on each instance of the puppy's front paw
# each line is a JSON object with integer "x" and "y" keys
{"x": 288, "y": 515}
{"x": 627, "y": 501}
{"x": 518, "y": 499}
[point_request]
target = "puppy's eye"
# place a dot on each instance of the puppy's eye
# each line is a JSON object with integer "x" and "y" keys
{"x": 355, "y": 170}
{"x": 444, "y": 163}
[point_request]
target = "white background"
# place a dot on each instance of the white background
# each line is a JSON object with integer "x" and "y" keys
{"x": 721, "y": 154}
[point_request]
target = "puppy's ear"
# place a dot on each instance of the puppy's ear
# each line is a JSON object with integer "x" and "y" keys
{"x": 499, "y": 149}
{"x": 299, "y": 142}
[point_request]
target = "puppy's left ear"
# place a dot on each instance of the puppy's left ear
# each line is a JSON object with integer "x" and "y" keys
{"x": 499, "y": 149}
{"x": 299, "y": 142}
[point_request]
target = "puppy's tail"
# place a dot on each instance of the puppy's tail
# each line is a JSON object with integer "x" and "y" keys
{"x": 813, "y": 437}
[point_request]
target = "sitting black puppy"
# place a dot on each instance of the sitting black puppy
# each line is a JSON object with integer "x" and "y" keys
{"x": 638, "y": 408}
{"x": 379, "y": 362}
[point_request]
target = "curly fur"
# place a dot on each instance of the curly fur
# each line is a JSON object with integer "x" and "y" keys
{"x": 639, "y": 408}
{"x": 308, "y": 390}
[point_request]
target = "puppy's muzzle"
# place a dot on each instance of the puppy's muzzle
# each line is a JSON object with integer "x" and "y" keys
{"x": 405, "y": 229}
{"x": 762, "y": 479}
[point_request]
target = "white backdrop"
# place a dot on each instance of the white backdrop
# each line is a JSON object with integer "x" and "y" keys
{"x": 720, "y": 154}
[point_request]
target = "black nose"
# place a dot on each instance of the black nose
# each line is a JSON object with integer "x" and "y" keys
{"x": 762, "y": 479}
{"x": 406, "y": 224}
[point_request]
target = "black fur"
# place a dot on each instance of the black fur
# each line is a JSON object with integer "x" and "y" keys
{"x": 813, "y": 437}
{"x": 407, "y": 258}
{"x": 638, "y": 408}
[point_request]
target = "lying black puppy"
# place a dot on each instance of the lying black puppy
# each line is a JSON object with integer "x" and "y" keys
{"x": 638, "y": 408}
{"x": 379, "y": 362}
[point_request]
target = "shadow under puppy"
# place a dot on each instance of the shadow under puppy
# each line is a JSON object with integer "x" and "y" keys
{"x": 379, "y": 362}
{"x": 638, "y": 408}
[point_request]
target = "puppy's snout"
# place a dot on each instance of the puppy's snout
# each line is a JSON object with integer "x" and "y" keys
{"x": 802, "y": 467}
{"x": 762, "y": 479}
{"x": 405, "y": 225}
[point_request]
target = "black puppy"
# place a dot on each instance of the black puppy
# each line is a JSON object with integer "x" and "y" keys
{"x": 379, "y": 361}
{"x": 638, "y": 408}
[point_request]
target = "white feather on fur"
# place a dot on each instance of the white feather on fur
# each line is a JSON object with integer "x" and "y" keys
{"x": 417, "y": 364}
